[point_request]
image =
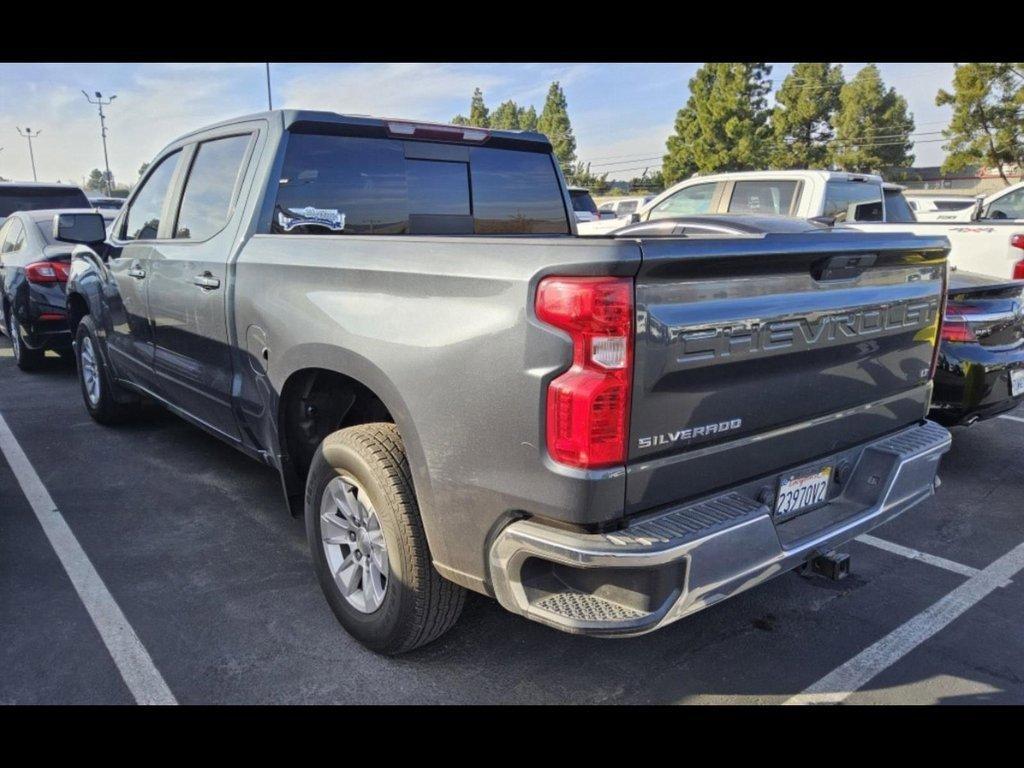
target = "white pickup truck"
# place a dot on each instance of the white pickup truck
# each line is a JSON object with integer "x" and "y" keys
{"x": 991, "y": 246}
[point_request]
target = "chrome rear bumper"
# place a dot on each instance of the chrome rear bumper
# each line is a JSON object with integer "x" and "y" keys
{"x": 676, "y": 562}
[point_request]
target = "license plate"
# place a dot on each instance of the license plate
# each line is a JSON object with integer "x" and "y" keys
{"x": 801, "y": 491}
{"x": 1017, "y": 382}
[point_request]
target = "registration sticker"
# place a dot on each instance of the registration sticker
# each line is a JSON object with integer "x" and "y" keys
{"x": 1017, "y": 382}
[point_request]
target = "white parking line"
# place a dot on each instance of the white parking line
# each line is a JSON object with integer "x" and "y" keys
{"x": 913, "y": 554}
{"x": 1012, "y": 418}
{"x": 854, "y": 674}
{"x": 131, "y": 657}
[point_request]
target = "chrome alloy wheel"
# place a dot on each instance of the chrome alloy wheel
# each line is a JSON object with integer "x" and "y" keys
{"x": 354, "y": 544}
{"x": 12, "y": 331}
{"x": 90, "y": 371}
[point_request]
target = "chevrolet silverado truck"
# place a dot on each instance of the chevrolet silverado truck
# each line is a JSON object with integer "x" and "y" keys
{"x": 458, "y": 393}
{"x": 988, "y": 241}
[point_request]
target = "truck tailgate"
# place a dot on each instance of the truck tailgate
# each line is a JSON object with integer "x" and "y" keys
{"x": 755, "y": 354}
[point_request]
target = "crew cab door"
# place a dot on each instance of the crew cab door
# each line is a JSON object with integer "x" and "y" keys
{"x": 189, "y": 282}
{"x": 130, "y": 249}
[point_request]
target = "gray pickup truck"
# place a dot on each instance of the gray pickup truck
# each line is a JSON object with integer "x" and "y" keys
{"x": 605, "y": 434}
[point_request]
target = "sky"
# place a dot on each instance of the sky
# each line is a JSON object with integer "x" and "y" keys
{"x": 621, "y": 113}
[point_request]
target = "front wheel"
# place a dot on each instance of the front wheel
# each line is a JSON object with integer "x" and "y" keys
{"x": 27, "y": 359}
{"x": 94, "y": 378}
{"x": 368, "y": 546}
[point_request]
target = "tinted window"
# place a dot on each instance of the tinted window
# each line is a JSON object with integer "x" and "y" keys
{"x": 342, "y": 185}
{"x": 143, "y": 221}
{"x": 763, "y": 197}
{"x": 438, "y": 188}
{"x": 14, "y": 237}
{"x": 39, "y": 198}
{"x": 853, "y": 201}
{"x": 688, "y": 201}
{"x": 516, "y": 193}
{"x": 582, "y": 201}
{"x": 1009, "y": 206}
{"x": 206, "y": 203}
{"x": 896, "y": 208}
{"x": 952, "y": 205}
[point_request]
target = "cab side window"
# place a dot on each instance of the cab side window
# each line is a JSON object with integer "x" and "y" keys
{"x": 686, "y": 202}
{"x": 143, "y": 219}
{"x": 206, "y": 202}
{"x": 1009, "y": 206}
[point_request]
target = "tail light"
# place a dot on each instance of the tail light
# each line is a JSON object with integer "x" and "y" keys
{"x": 1017, "y": 241}
{"x": 47, "y": 272}
{"x": 956, "y": 324}
{"x": 588, "y": 405}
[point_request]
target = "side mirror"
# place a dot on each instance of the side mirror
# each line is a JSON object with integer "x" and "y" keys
{"x": 79, "y": 228}
{"x": 979, "y": 203}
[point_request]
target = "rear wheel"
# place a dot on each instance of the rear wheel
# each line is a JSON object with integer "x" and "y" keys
{"x": 26, "y": 359}
{"x": 368, "y": 546}
{"x": 94, "y": 378}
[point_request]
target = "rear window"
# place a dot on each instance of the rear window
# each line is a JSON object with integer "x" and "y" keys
{"x": 896, "y": 208}
{"x": 853, "y": 201}
{"x": 370, "y": 186}
{"x": 763, "y": 197}
{"x": 40, "y": 198}
{"x": 582, "y": 201}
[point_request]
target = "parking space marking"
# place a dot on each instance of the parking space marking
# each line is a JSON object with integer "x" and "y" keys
{"x": 839, "y": 684}
{"x": 129, "y": 654}
{"x": 913, "y": 554}
{"x": 1012, "y": 418}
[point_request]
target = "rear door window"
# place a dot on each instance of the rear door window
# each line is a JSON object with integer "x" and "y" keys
{"x": 209, "y": 191}
{"x": 370, "y": 186}
{"x": 853, "y": 201}
{"x": 15, "y": 236}
{"x": 763, "y": 197}
{"x": 688, "y": 201}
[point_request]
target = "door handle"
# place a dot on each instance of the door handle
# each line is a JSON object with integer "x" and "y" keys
{"x": 137, "y": 272}
{"x": 206, "y": 281}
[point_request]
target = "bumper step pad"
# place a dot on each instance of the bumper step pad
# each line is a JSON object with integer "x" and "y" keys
{"x": 581, "y": 607}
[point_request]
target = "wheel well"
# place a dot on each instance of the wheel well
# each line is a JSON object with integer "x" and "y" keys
{"x": 314, "y": 403}
{"x": 77, "y": 309}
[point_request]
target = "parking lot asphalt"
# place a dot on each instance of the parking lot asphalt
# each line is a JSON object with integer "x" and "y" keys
{"x": 193, "y": 542}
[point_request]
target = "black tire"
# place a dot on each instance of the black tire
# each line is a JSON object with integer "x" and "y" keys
{"x": 418, "y": 605}
{"x": 26, "y": 359}
{"x": 105, "y": 407}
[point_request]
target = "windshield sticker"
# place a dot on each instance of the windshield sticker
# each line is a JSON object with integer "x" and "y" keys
{"x": 328, "y": 218}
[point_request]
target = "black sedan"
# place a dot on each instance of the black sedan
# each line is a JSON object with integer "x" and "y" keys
{"x": 35, "y": 255}
{"x": 981, "y": 359}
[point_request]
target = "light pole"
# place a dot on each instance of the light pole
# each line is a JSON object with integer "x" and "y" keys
{"x": 29, "y": 135}
{"x": 100, "y": 103}
{"x": 270, "y": 102}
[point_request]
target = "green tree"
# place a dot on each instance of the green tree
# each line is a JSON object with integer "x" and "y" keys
{"x": 554, "y": 123}
{"x": 724, "y": 125}
{"x": 506, "y": 116}
{"x": 479, "y": 115}
{"x": 97, "y": 181}
{"x": 648, "y": 183}
{"x": 528, "y": 118}
{"x": 873, "y": 126}
{"x": 987, "y": 126}
{"x": 579, "y": 175}
{"x": 802, "y": 118}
